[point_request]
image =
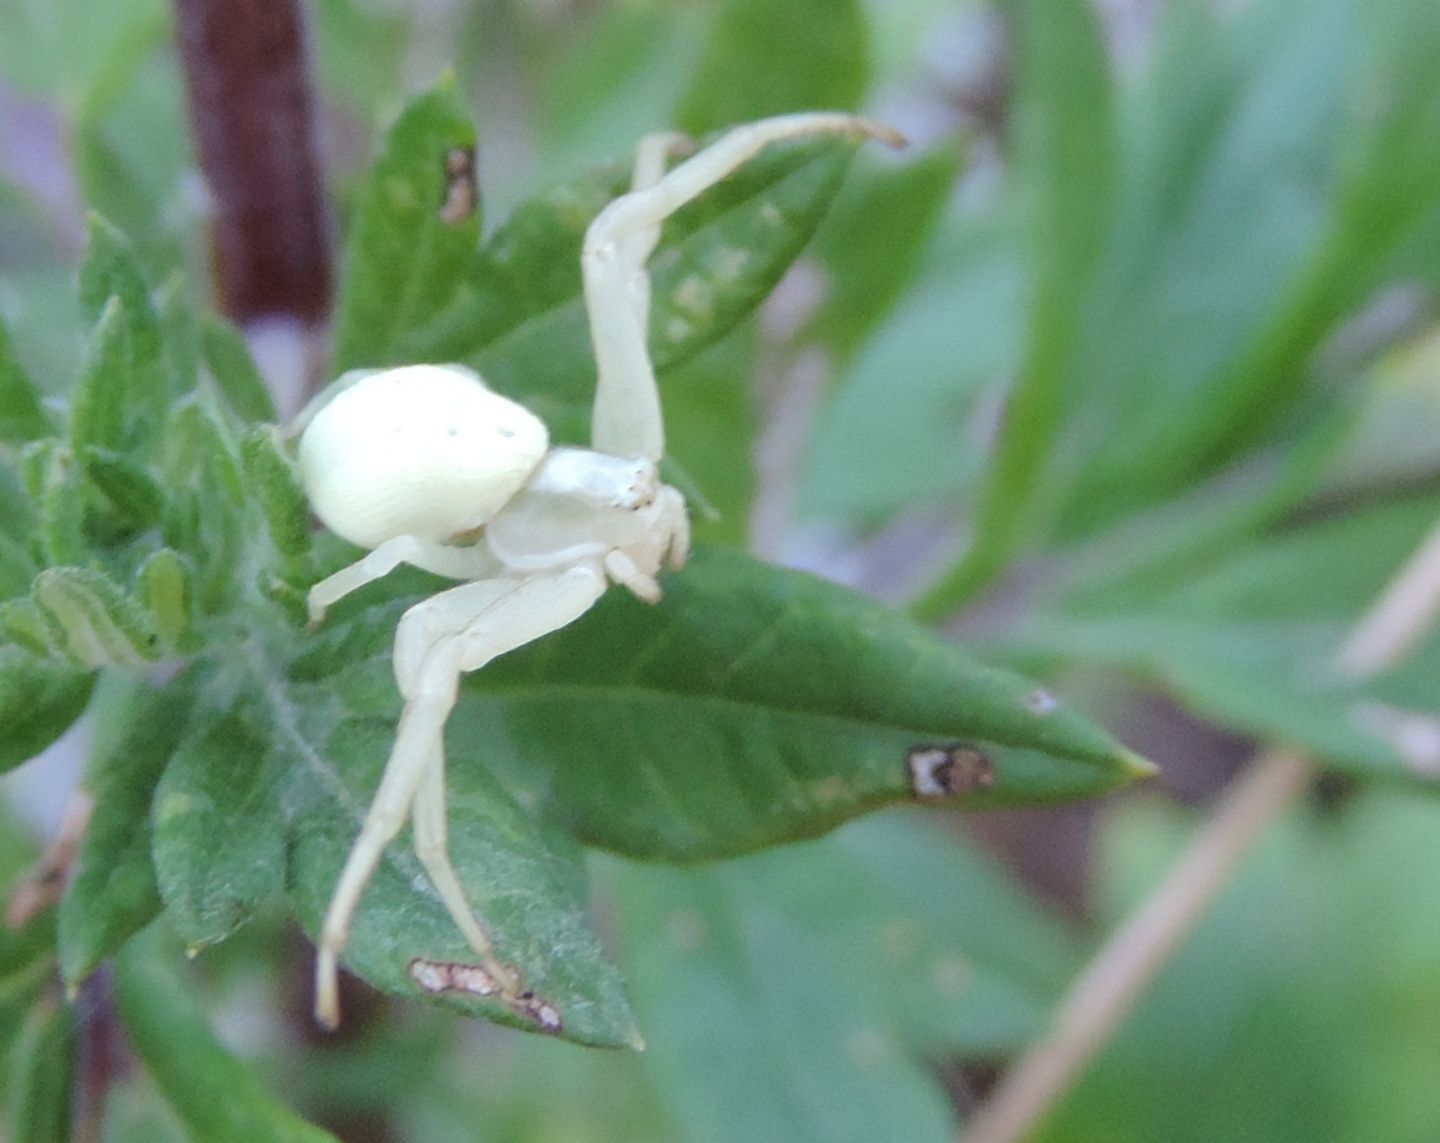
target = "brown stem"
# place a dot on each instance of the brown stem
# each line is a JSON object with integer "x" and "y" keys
{"x": 43, "y": 884}
{"x": 1109, "y": 988}
{"x": 252, "y": 112}
{"x": 99, "y": 1056}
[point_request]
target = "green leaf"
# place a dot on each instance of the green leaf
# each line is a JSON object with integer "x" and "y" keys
{"x": 273, "y": 481}
{"x": 17, "y": 536}
{"x": 39, "y": 700}
{"x": 204, "y": 515}
{"x": 722, "y": 255}
{"x": 710, "y": 420}
{"x": 521, "y": 320}
{"x": 23, "y": 625}
{"x": 1230, "y": 147}
{"x": 136, "y": 1112}
{"x": 751, "y": 69}
{"x": 111, "y": 271}
{"x": 163, "y": 588}
{"x": 215, "y": 866}
{"x": 130, "y": 141}
{"x": 269, "y": 795}
{"x": 108, "y": 181}
{"x": 54, "y": 488}
{"x": 200, "y": 444}
{"x": 526, "y": 881}
{"x": 1245, "y": 636}
{"x": 216, "y": 1095}
{"x": 1385, "y": 187}
{"x": 112, "y": 894}
{"x": 1163, "y": 549}
{"x": 817, "y": 979}
{"x": 181, "y": 329}
{"x": 754, "y": 706}
{"x": 1065, "y": 156}
{"x": 1393, "y": 432}
{"x": 406, "y": 252}
{"x": 97, "y": 407}
{"x": 40, "y": 1072}
{"x": 235, "y": 372}
{"x": 92, "y": 621}
{"x": 60, "y": 48}
{"x": 1272, "y": 184}
{"x": 21, "y": 415}
{"x": 135, "y": 496}
{"x": 610, "y": 73}
{"x": 881, "y": 447}
{"x": 873, "y": 240}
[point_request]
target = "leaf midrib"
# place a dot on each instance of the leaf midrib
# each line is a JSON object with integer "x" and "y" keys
{"x": 531, "y": 691}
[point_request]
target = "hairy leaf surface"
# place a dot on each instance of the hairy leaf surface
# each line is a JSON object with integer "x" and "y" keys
{"x": 21, "y": 417}
{"x": 39, "y": 699}
{"x": 407, "y": 248}
{"x": 268, "y": 797}
{"x": 112, "y": 893}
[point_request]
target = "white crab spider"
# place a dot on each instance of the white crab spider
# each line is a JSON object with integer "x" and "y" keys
{"x": 425, "y": 465}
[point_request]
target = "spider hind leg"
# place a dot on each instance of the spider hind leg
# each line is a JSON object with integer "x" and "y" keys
{"x": 439, "y": 639}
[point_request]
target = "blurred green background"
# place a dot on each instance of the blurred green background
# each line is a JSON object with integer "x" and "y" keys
{"x": 1192, "y": 251}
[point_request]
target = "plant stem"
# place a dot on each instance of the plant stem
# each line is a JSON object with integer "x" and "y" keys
{"x": 43, "y": 884}
{"x": 1399, "y": 618}
{"x": 1106, "y": 992}
{"x": 1103, "y": 995}
{"x": 252, "y": 112}
{"x": 98, "y": 1057}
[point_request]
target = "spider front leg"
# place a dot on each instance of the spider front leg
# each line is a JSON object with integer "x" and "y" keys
{"x": 475, "y": 562}
{"x": 627, "y": 419}
{"x": 439, "y": 639}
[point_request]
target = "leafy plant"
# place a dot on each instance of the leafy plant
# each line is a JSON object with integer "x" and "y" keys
{"x": 1172, "y": 282}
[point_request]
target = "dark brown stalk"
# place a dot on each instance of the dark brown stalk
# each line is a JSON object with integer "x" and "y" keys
{"x": 252, "y": 111}
{"x": 100, "y": 1057}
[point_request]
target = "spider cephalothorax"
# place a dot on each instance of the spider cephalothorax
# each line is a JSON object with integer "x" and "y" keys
{"x": 425, "y": 465}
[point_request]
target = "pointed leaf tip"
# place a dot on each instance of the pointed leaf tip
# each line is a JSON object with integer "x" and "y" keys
{"x": 755, "y": 706}
{"x": 1136, "y": 766}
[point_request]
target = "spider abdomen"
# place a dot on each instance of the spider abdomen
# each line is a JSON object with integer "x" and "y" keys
{"x": 423, "y": 450}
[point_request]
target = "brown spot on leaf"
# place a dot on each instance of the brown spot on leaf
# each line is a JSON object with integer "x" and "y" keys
{"x": 462, "y": 194}
{"x": 540, "y": 1010}
{"x": 438, "y": 977}
{"x": 944, "y": 771}
{"x": 455, "y": 978}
